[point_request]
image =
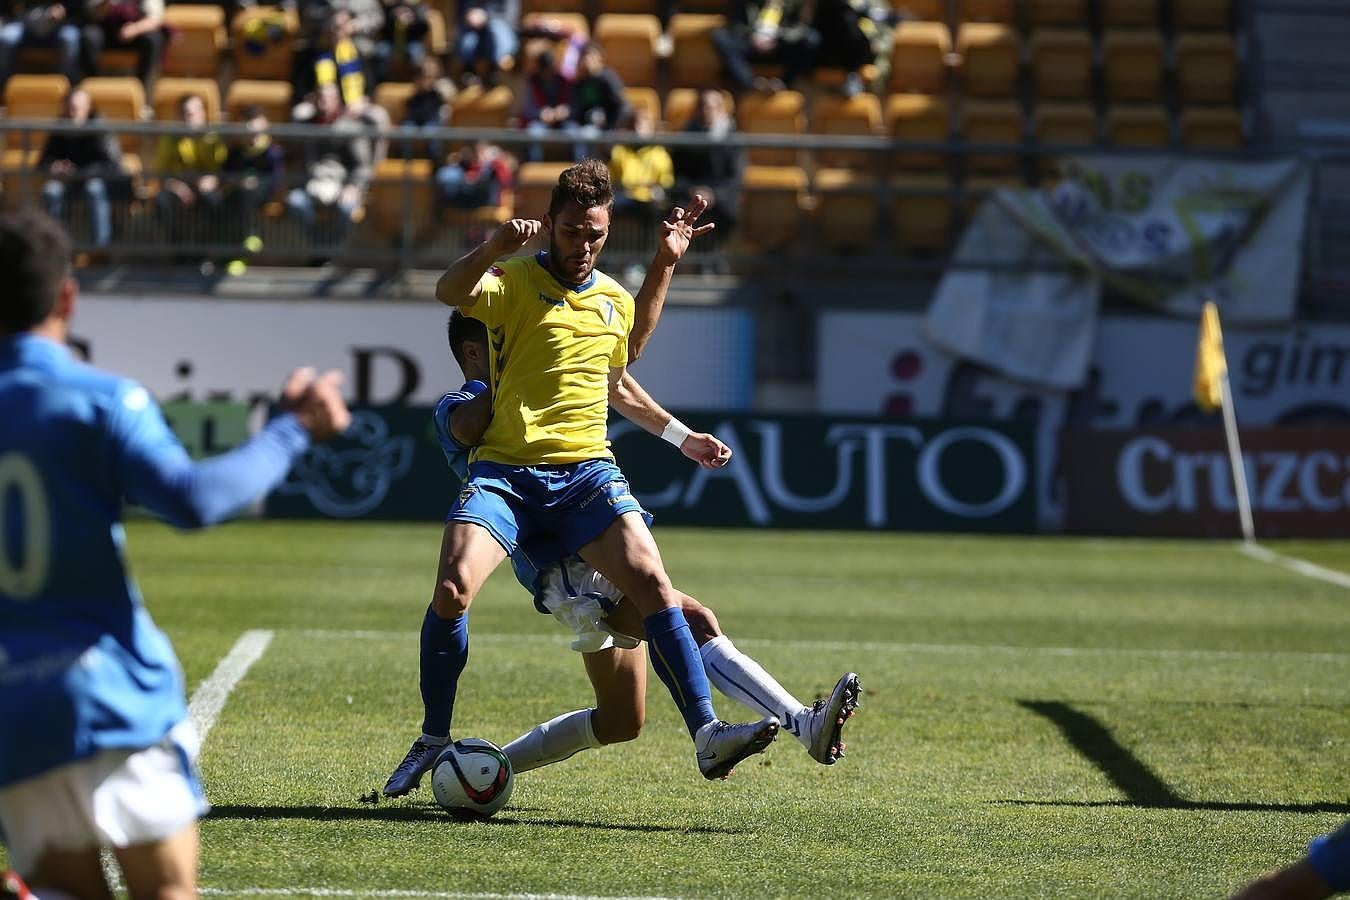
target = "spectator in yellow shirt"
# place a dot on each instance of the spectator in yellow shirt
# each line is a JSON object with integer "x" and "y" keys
{"x": 188, "y": 166}
{"x": 642, "y": 172}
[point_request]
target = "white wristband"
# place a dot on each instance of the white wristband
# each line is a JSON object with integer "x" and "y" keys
{"x": 675, "y": 432}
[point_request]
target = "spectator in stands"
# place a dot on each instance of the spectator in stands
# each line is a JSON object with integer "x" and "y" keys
{"x": 54, "y": 25}
{"x": 474, "y": 177}
{"x": 136, "y": 25}
{"x": 768, "y": 33}
{"x": 189, "y": 168}
{"x": 598, "y": 103}
{"x": 88, "y": 162}
{"x": 547, "y": 103}
{"x": 642, "y": 171}
{"x": 713, "y": 169}
{"x": 253, "y": 169}
{"x": 429, "y": 105}
{"x": 337, "y": 167}
{"x": 404, "y": 40}
{"x": 367, "y": 18}
{"x": 853, "y": 33}
{"x": 338, "y": 61}
{"x": 487, "y": 38}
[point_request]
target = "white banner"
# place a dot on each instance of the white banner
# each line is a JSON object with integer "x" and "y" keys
{"x": 203, "y": 348}
{"x": 1166, "y": 232}
{"x": 1139, "y": 374}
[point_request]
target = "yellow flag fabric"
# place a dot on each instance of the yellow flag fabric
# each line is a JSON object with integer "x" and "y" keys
{"x": 1211, "y": 367}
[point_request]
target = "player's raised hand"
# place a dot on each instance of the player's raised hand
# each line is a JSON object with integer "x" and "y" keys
{"x": 317, "y": 402}
{"x": 513, "y": 234}
{"x": 706, "y": 450}
{"x": 680, "y": 228}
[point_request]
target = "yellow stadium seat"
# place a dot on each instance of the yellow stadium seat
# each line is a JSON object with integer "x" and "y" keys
{"x": 169, "y": 91}
{"x": 275, "y": 98}
{"x": 989, "y": 59}
{"x": 1137, "y": 126}
{"x": 199, "y": 40}
{"x": 922, "y": 211}
{"x": 917, "y": 117}
{"x": 1206, "y": 68}
{"x": 1132, "y": 63}
{"x": 629, "y": 42}
{"x": 19, "y": 179}
{"x": 33, "y": 97}
{"x": 645, "y": 7}
{"x": 264, "y": 42}
{"x": 847, "y": 208}
{"x": 681, "y": 103}
{"x": 1063, "y": 124}
{"x": 693, "y": 60}
{"x": 120, "y": 99}
{"x": 393, "y": 97}
{"x": 1216, "y": 127}
{"x": 919, "y": 57}
{"x": 927, "y": 10}
{"x": 771, "y": 202}
{"x": 534, "y": 186}
{"x": 992, "y": 122}
{"x": 1059, "y": 12}
{"x": 400, "y": 195}
{"x": 553, "y": 6}
{"x": 646, "y": 99}
{"x": 1201, "y": 14}
{"x": 1061, "y": 63}
{"x": 779, "y": 113}
{"x": 859, "y": 115}
{"x": 988, "y": 11}
{"x": 1128, "y": 13}
{"x": 477, "y": 107}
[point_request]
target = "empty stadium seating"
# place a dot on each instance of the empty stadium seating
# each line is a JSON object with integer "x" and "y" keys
{"x": 1132, "y": 64}
{"x": 1058, "y": 12}
{"x": 990, "y": 59}
{"x": 629, "y": 42}
{"x": 1137, "y": 126}
{"x": 922, "y": 211}
{"x": 847, "y": 208}
{"x": 917, "y": 117}
{"x": 771, "y": 201}
{"x": 198, "y": 42}
{"x": 992, "y": 122}
{"x": 780, "y": 113}
{"x": 860, "y": 116}
{"x": 694, "y": 61}
{"x": 919, "y": 57}
{"x": 1206, "y": 68}
{"x": 1218, "y": 127}
{"x": 1061, "y": 63}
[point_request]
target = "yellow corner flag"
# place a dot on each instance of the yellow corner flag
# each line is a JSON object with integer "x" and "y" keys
{"x": 1211, "y": 367}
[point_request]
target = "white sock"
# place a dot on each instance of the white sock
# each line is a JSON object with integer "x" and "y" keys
{"x": 553, "y": 741}
{"x": 745, "y": 681}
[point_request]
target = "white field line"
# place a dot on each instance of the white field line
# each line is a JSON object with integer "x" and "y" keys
{"x": 1294, "y": 564}
{"x": 209, "y": 698}
{"x": 880, "y": 646}
{"x": 451, "y": 895}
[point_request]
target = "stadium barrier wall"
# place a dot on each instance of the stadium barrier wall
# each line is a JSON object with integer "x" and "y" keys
{"x": 788, "y": 472}
{"x": 881, "y": 363}
{"x": 1177, "y": 482}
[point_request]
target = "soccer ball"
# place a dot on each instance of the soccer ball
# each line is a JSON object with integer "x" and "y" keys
{"x": 472, "y": 778}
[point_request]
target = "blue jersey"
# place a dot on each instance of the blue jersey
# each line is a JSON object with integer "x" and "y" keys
{"x": 1329, "y": 856}
{"x": 526, "y": 560}
{"x": 82, "y": 667}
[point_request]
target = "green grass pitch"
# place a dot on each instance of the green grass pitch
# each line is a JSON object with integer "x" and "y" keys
{"x": 1041, "y": 718}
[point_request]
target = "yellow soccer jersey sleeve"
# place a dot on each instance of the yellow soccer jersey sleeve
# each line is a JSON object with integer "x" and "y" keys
{"x": 551, "y": 347}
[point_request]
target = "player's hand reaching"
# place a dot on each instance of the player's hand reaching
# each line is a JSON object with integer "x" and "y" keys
{"x": 679, "y": 229}
{"x": 513, "y": 234}
{"x": 706, "y": 450}
{"x": 317, "y": 402}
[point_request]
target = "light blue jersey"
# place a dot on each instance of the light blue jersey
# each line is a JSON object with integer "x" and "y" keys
{"x": 526, "y": 560}
{"x": 82, "y": 667}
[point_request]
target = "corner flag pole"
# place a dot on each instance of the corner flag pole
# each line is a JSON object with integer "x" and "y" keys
{"x": 1212, "y": 390}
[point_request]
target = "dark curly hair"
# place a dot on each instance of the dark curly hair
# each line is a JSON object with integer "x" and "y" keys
{"x": 586, "y": 184}
{"x": 34, "y": 260}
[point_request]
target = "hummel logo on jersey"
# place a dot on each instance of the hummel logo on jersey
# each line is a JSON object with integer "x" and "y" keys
{"x": 552, "y": 301}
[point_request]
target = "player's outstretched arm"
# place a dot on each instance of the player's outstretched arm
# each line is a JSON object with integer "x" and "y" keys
{"x": 459, "y": 285}
{"x": 161, "y": 477}
{"x": 639, "y": 407}
{"x": 677, "y": 231}
{"x": 471, "y": 418}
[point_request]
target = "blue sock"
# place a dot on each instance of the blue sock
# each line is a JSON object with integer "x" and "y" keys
{"x": 677, "y": 663}
{"x": 445, "y": 650}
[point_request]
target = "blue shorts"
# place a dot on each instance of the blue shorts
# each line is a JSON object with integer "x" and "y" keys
{"x": 543, "y": 508}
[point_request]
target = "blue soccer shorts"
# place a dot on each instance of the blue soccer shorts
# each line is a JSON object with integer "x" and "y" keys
{"x": 570, "y": 504}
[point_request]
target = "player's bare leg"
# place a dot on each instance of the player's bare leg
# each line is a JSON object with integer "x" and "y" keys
{"x": 627, "y": 555}
{"x": 76, "y": 873}
{"x": 164, "y": 870}
{"x": 469, "y": 554}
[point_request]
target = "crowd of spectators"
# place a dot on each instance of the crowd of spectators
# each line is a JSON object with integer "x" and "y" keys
{"x": 569, "y": 100}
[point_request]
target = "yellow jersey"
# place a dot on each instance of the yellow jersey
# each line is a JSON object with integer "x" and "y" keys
{"x": 551, "y": 348}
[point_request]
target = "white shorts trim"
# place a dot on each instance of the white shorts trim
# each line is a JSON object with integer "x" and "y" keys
{"x": 580, "y": 598}
{"x": 118, "y": 798}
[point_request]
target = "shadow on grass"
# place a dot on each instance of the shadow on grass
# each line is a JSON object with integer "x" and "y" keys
{"x": 1141, "y": 787}
{"x": 428, "y": 813}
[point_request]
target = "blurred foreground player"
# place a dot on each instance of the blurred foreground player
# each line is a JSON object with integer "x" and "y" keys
{"x": 1323, "y": 872}
{"x": 98, "y": 749}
